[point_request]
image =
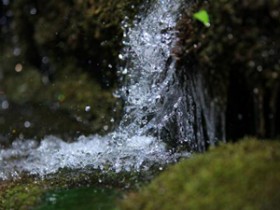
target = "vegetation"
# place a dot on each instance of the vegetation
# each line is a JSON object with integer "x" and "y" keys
{"x": 233, "y": 176}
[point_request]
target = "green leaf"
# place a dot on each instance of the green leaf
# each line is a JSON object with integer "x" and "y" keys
{"x": 203, "y": 17}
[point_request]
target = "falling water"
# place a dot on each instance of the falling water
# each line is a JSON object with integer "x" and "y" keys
{"x": 159, "y": 109}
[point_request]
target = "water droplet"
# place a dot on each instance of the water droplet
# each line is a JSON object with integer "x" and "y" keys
{"x": 230, "y": 36}
{"x": 33, "y": 11}
{"x": 18, "y": 67}
{"x": 5, "y": 105}
{"x": 124, "y": 71}
{"x": 259, "y": 68}
{"x": 87, "y": 108}
{"x": 274, "y": 75}
{"x": 256, "y": 91}
{"x": 121, "y": 56}
{"x": 252, "y": 64}
{"x": 239, "y": 116}
{"x": 27, "y": 124}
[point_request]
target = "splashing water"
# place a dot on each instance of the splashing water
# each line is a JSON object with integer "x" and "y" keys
{"x": 155, "y": 103}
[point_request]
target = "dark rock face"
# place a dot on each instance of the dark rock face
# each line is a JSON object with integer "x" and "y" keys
{"x": 238, "y": 56}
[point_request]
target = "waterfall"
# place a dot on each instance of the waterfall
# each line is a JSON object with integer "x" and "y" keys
{"x": 161, "y": 106}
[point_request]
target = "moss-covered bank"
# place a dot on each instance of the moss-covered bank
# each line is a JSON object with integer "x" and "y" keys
{"x": 233, "y": 176}
{"x": 30, "y": 192}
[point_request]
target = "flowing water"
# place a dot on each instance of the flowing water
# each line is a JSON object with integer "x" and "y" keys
{"x": 159, "y": 109}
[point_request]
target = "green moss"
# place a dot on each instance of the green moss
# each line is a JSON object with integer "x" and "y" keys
{"x": 20, "y": 196}
{"x": 232, "y": 176}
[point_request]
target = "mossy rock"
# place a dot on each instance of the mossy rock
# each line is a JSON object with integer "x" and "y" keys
{"x": 233, "y": 176}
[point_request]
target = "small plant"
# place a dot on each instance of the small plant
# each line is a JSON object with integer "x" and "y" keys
{"x": 203, "y": 17}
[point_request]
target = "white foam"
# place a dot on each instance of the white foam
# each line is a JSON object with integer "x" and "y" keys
{"x": 136, "y": 153}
